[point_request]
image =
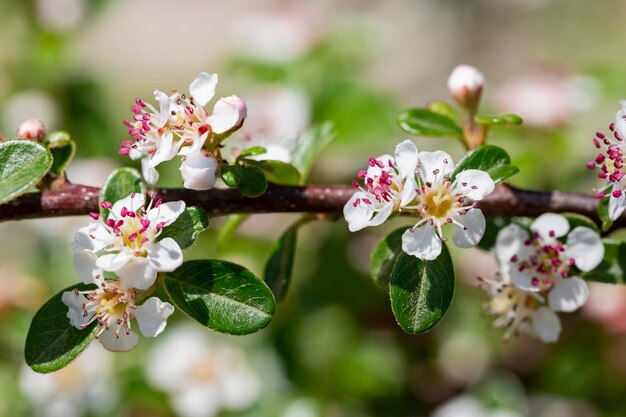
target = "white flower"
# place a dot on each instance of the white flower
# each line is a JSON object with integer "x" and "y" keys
{"x": 199, "y": 171}
{"x": 203, "y": 376}
{"x": 440, "y": 202}
{"x": 126, "y": 243}
{"x": 31, "y": 129}
{"x": 389, "y": 184}
{"x": 113, "y": 305}
{"x": 181, "y": 125}
{"x": 466, "y": 84}
{"x": 541, "y": 263}
{"x": 611, "y": 163}
{"x": 468, "y": 406}
{"x": 85, "y": 386}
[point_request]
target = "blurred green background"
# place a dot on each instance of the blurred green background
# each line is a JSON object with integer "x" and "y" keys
{"x": 333, "y": 348}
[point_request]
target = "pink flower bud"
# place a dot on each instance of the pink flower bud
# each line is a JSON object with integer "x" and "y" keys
{"x": 199, "y": 171}
{"x": 228, "y": 115}
{"x": 466, "y": 85}
{"x": 31, "y": 129}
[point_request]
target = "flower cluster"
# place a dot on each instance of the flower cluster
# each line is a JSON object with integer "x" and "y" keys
{"x": 418, "y": 183}
{"x": 182, "y": 126}
{"x": 538, "y": 275}
{"x": 610, "y": 161}
{"x": 126, "y": 244}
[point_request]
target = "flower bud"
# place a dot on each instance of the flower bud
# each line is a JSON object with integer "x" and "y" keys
{"x": 466, "y": 84}
{"x": 199, "y": 171}
{"x": 31, "y": 129}
{"x": 228, "y": 115}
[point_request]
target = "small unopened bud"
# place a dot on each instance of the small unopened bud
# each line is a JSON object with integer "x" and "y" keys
{"x": 466, "y": 85}
{"x": 199, "y": 171}
{"x": 228, "y": 115}
{"x": 31, "y": 129}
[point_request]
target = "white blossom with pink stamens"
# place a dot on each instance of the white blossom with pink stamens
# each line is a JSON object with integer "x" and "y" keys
{"x": 113, "y": 304}
{"x": 389, "y": 184}
{"x": 610, "y": 160}
{"x": 541, "y": 263}
{"x": 181, "y": 125}
{"x": 440, "y": 201}
{"x": 127, "y": 241}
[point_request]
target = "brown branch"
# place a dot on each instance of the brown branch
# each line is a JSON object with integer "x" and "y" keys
{"x": 79, "y": 199}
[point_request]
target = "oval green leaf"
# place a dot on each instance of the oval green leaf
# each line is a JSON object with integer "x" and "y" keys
{"x": 603, "y": 212}
{"x": 443, "y": 108}
{"x": 385, "y": 255}
{"x": 62, "y": 156}
{"x": 120, "y": 184}
{"x": 187, "y": 227}
{"x": 22, "y": 164}
{"x": 509, "y": 119}
{"x": 52, "y": 343}
{"x": 424, "y": 122}
{"x": 613, "y": 267}
{"x": 310, "y": 145}
{"x": 252, "y": 151}
{"x": 421, "y": 291}
{"x": 489, "y": 158}
{"x": 253, "y": 182}
{"x": 279, "y": 267}
{"x": 221, "y": 295}
{"x": 277, "y": 172}
{"x": 231, "y": 174}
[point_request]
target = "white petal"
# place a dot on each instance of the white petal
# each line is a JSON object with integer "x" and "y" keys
{"x": 118, "y": 342}
{"x": 510, "y": 242}
{"x": 568, "y": 294}
{"x": 228, "y": 114}
{"x": 165, "y": 255}
{"x": 113, "y": 262}
{"x": 620, "y": 122}
{"x": 381, "y": 215}
{"x": 166, "y": 150}
{"x": 474, "y": 183}
{"x": 406, "y": 158}
{"x": 137, "y": 273}
{"x": 409, "y": 191}
{"x": 197, "y": 400}
{"x": 202, "y": 89}
{"x": 196, "y": 145}
{"x": 199, "y": 171}
{"x": 150, "y": 174}
{"x": 132, "y": 202}
{"x": 357, "y": 216}
{"x": 422, "y": 242}
{"x": 473, "y": 230}
{"x": 585, "y": 247}
{"x": 617, "y": 204}
{"x": 86, "y": 269}
{"x": 166, "y": 213}
{"x": 523, "y": 279}
{"x": 93, "y": 237}
{"x": 550, "y": 222}
{"x": 152, "y": 316}
{"x": 545, "y": 324}
{"x": 435, "y": 165}
{"x": 164, "y": 104}
{"x": 75, "y": 303}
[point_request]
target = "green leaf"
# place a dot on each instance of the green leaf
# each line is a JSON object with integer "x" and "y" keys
{"x": 221, "y": 295}
{"x": 187, "y": 227}
{"x": 613, "y": 267}
{"x": 23, "y": 163}
{"x": 62, "y": 156}
{"x": 252, "y": 151}
{"x": 442, "y": 108}
{"x": 310, "y": 145}
{"x": 509, "y": 119}
{"x": 385, "y": 255}
{"x": 421, "y": 291}
{"x": 120, "y": 184}
{"x": 279, "y": 267}
{"x": 424, "y": 122}
{"x": 231, "y": 174}
{"x": 229, "y": 227}
{"x": 603, "y": 213}
{"x": 489, "y": 158}
{"x": 58, "y": 138}
{"x": 253, "y": 182}
{"x": 576, "y": 220}
{"x": 52, "y": 342}
{"x": 276, "y": 171}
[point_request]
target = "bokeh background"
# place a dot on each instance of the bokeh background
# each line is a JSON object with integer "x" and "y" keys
{"x": 333, "y": 349}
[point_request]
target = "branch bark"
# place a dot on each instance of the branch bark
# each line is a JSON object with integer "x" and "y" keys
{"x": 75, "y": 199}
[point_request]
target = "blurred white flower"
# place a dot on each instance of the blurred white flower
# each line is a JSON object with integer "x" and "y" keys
{"x": 547, "y": 99}
{"x": 203, "y": 376}
{"x": 468, "y": 406}
{"x": 60, "y": 14}
{"x": 607, "y": 304}
{"x": 302, "y": 407}
{"x": 278, "y": 36}
{"x": 30, "y": 104}
{"x": 85, "y": 386}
